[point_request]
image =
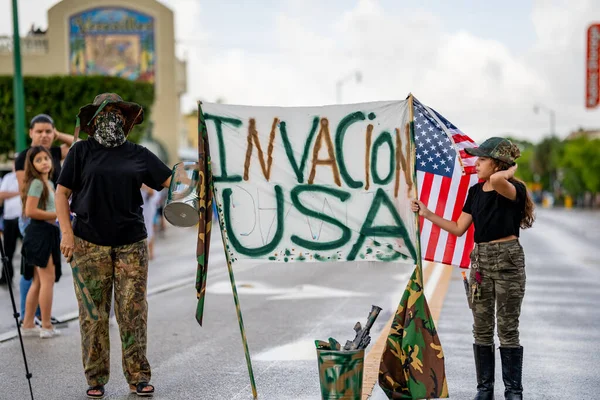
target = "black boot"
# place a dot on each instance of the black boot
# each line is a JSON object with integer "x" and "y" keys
{"x": 484, "y": 365}
{"x": 512, "y": 372}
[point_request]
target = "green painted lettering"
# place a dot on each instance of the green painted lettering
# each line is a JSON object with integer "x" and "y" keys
{"x": 383, "y": 138}
{"x": 298, "y": 170}
{"x": 219, "y": 121}
{"x": 311, "y": 245}
{"x": 392, "y": 231}
{"x": 239, "y": 247}
{"x": 339, "y": 146}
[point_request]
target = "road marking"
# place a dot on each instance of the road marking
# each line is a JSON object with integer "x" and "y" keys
{"x": 301, "y": 350}
{"x": 436, "y": 280}
{"x": 151, "y": 292}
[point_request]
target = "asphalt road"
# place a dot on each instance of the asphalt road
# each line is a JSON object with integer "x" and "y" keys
{"x": 286, "y": 306}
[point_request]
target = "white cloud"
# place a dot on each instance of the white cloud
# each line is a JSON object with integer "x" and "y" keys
{"x": 480, "y": 84}
{"x": 477, "y": 83}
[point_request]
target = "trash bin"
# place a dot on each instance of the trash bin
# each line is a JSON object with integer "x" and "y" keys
{"x": 341, "y": 374}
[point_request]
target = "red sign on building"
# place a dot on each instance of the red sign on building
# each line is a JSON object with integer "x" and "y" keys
{"x": 592, "y": 82}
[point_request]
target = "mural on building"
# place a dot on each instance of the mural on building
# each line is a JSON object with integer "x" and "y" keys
{"x": 112, "y": 41}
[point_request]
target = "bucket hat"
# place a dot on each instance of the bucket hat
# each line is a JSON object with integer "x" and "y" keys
{"x": 133, "y": 112}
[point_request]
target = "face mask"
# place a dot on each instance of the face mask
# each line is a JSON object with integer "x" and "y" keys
{"x": 109, "y": 130}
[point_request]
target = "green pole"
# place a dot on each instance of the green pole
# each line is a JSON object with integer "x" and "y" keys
{"x": 18, "y": 91}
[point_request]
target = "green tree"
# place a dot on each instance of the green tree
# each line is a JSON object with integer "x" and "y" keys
{"x": 61, "y": 97}
{"x": 580, "y": 163}
{"x": 525, "y": 162}
{"x": 546, "y": 159}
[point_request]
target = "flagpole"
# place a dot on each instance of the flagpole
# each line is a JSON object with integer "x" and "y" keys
{"x": 415, "y": 189}
{"x": 238, "y": 310}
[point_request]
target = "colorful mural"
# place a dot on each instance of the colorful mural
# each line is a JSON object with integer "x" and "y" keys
{"x": 112, "y": 41}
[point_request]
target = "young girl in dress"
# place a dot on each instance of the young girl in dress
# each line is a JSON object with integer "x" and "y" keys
{"x": 41, "y": 245}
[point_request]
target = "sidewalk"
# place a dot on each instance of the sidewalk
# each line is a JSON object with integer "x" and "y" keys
{"x": 174, "y": 265}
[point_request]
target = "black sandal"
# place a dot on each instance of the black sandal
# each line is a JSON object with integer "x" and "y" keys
{"x": 139, "y": 389}
{"x": 97, "y": 388}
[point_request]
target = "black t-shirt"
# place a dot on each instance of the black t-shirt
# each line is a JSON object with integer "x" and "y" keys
{"x": 106, "y": 186}
{"x": 56, "y": 154}
{"x": 494, "y": 215}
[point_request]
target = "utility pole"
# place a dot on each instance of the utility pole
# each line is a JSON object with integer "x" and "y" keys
{"x": 338, "y": 85}
{"x": 18, "y": 91}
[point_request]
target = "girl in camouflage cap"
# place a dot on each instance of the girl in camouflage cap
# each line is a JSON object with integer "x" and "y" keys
{"x": 498, "y": 207}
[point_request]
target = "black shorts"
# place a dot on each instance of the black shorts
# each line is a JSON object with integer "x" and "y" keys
{"x": 41, "y": 241}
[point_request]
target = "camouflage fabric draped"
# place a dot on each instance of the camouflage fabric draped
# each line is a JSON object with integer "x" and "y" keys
{"x": 205, "y": 202}
{"x": 412, "y": 364}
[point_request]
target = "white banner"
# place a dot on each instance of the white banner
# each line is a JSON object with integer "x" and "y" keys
{"x": 308, "y": 184}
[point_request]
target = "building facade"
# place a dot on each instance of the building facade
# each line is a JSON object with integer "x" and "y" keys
{"x": 133, "y": 39}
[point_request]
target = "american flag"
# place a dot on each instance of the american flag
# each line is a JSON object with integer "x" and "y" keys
{"x": 440, "y": 161}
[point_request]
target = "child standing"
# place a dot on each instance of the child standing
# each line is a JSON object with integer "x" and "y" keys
{"x": 498, "y": 207}
{"x": 41, "y": 245}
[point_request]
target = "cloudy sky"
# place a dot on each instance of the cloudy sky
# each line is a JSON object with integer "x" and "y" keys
{"x": 483, "y": 65}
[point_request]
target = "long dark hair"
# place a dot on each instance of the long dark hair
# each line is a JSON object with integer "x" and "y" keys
{"x": 528, "y": 216}
{"x": 31, "y": 173}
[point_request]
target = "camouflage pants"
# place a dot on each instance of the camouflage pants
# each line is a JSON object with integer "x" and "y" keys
{"x": 502, "y": 269}
{"x": 127, "y": 268}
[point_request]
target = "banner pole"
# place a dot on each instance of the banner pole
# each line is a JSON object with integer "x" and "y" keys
{"x": 415, "y": 190}
{"x": 238, "y": 310}
{"x": 205, "y": 194}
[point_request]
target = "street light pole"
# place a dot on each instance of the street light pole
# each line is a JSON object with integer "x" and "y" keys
{"x": 338, "y": 85}
{"x": 538, "y": 107}
{"x": 18, "y": 91}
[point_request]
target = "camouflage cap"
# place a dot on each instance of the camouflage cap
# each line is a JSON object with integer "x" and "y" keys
{"x": 133, "y": 112}
{"x": 497, "y": 148}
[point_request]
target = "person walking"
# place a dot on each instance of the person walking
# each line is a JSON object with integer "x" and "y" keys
{"x": 41, "y": 249}
{"x": 151, "y": 199}
{"x": 107, "y": 242}
{"x": 9, "y": 194}
{"x": 42, "y": 132}
{"x": 498, "y": 207}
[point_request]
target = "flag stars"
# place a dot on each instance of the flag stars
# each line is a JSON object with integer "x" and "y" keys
{"x": 435, "y": 166}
